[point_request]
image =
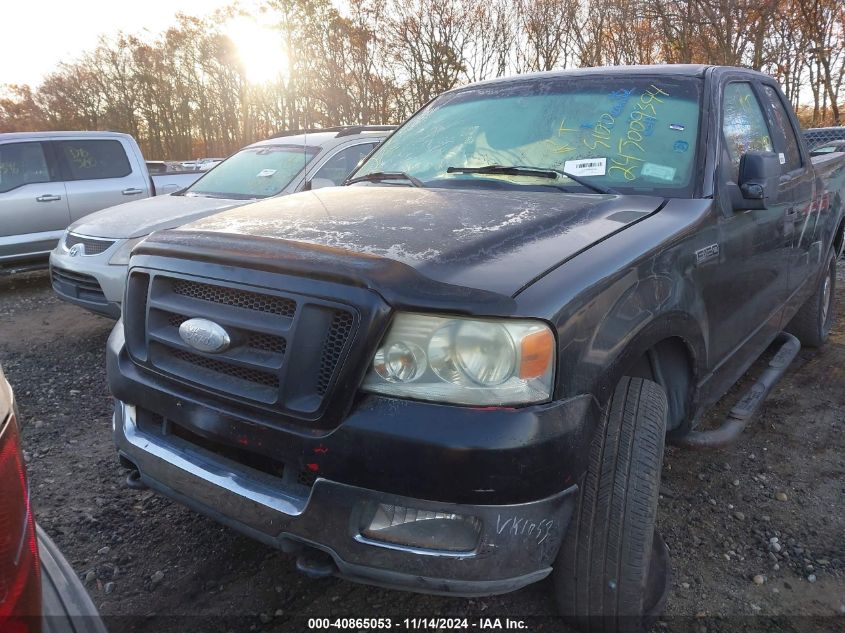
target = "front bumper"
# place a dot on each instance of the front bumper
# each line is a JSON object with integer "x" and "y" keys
{"x": 89, "y": 281}
{"x": 517, "y": 544}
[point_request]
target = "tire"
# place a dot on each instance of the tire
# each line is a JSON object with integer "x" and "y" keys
{"x": 604, "y": 579}
{"x": 814, "y": 320}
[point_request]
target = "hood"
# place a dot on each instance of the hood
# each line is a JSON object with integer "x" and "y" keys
{"x": 491, "y": 240}
{"x": 142, "y": 217}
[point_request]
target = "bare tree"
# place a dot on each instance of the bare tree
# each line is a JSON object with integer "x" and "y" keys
{"x": 492, "y": 37}
{"x": 427, "y": 40}
{"x": 550, "y": 33}
{"x": 185, "y": 91}
{"x": 823, "y": 27}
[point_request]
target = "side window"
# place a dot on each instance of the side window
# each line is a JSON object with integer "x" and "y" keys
{"x": 783, "y": 129}
{"x": 22, "y": 164}
{"x": 743, "y": 124}
{"x": 94, "y": 160}
{"x": 339, "y": 166}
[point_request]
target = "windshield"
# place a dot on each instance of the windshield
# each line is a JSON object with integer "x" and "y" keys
{"x": 255, "y": 172}
{"x": 631, "y": 133}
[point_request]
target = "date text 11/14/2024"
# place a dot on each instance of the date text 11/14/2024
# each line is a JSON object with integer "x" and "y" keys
{"x": 418, "y": 623}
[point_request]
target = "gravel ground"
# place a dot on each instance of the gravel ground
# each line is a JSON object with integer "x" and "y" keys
{"x": 754, "y": 530}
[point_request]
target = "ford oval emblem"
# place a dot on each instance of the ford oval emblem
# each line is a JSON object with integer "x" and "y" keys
{"x": 204, "y": 335}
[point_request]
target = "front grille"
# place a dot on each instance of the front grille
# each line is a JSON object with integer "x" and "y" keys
{"x": 267, "y": 343}
{"x": 332, "y": 347}
{"x": 256, "y": 340}
{"x": 238, "y": 298}
{"x": 92, "y": 246}
{"x": 234, "y": 371}
{"x": 79, "y": 285}
{"x": 285, "y": 352}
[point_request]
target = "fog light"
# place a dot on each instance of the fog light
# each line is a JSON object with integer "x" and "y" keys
{"x": 423, "y": 529}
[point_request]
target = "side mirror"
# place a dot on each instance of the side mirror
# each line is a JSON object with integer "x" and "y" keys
{"x": 759, "y": 176}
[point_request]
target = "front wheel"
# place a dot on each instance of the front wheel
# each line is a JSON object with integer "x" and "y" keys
{"x": 611, "y": 571}
{"x": 813, "y": 322}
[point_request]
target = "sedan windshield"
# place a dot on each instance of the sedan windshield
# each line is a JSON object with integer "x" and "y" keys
{"x": 254, "y": 172}
{"x": 629, "y": 133}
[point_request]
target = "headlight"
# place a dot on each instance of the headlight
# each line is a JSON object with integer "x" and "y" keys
{"x": 464, "y": 361}
{"x": 121, "y": 256}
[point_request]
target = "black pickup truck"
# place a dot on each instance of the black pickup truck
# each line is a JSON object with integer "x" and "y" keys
{"x": 456, "y": 374}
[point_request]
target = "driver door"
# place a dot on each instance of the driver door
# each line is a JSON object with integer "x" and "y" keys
{"x": 746, "y": 292}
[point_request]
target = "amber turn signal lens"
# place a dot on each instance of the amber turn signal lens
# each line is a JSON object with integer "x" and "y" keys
{"x": 538, "y": 349}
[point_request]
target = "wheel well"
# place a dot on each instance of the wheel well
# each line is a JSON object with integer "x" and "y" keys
{"x": 669, "y": 363}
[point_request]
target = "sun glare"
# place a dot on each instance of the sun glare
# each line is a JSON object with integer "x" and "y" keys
{"x": 260, "y": 50}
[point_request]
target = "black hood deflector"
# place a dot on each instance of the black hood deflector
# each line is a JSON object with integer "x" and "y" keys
{"x": 399, "y": 284}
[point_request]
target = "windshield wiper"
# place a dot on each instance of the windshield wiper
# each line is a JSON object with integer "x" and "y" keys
{"x": 521, "y": 170}
{"x": 505, "y": 171}
{"x": 586, "y": 183}
{"x": 377, "y": 176}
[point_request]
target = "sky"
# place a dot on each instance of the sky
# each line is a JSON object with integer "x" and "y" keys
{"x": 38, "y": 34}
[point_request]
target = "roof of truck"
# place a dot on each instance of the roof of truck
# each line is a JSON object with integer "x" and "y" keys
{"x": 676, "y": 70}
{"x": 10, "y": 136}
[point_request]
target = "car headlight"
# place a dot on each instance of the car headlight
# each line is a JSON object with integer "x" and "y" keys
{"x": 457, "y": 360}
{"x": 121, "y": 256}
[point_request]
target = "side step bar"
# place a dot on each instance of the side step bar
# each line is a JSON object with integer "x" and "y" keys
{"x": 750, "y": 403}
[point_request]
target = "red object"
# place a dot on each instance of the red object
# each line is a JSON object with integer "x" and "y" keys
{"x": 313, "y": 467}
{"x": 20, "y": 575}
{"x": 321, "y": 450}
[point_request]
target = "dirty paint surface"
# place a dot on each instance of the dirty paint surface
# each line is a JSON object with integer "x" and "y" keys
{"x": 493, "y": 240}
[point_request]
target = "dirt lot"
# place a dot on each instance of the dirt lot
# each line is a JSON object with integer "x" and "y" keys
{"x": 770, "y": 506}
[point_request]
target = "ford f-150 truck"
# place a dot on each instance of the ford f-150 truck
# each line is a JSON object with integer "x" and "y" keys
{"x": 456, "y": 374}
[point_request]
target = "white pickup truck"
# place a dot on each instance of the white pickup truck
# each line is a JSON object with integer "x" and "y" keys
{"x": 50, "y": 179}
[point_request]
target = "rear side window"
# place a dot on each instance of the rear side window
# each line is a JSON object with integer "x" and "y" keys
{"x": 95, "y": 160}
{"x": 22, "y": 164}
{"x": 743, "y": 124}
{"x": 783, "y": 130}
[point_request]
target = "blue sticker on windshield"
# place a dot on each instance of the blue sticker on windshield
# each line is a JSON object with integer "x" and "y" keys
{"x": 620, "y": 100}
{"x": 680, "y": 146}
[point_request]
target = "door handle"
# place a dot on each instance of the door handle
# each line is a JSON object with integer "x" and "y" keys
{"x": 48, "y": 198}
{"x": 132, "y": 191}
